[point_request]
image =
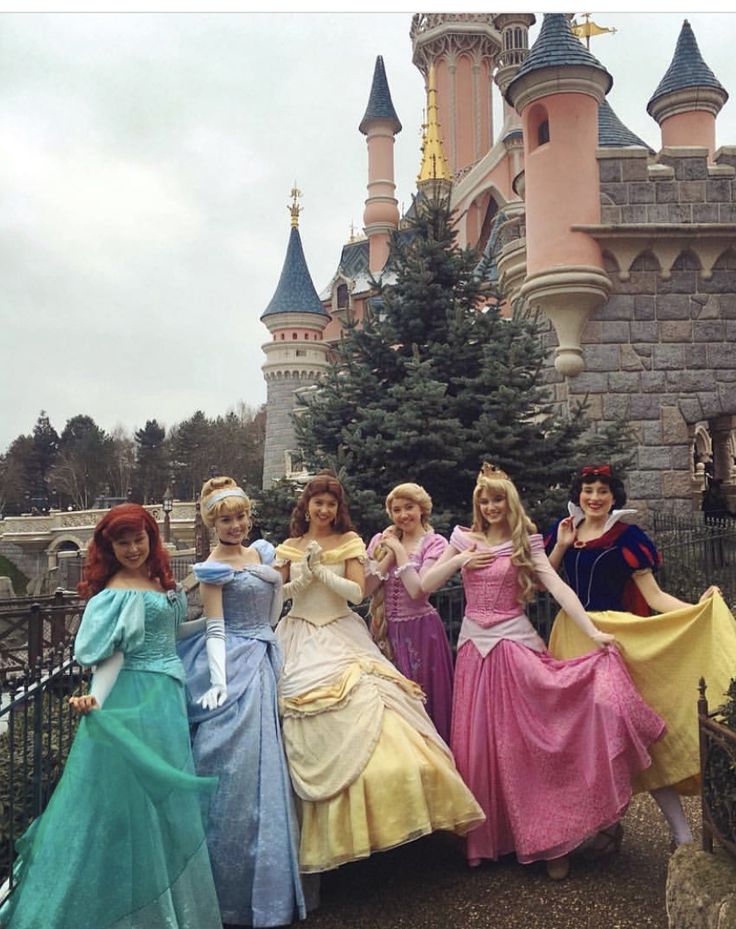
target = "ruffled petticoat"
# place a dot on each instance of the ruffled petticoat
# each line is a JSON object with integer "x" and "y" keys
{"x": 368, "y": 767}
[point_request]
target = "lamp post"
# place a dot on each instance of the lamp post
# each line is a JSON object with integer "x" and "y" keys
{"x": 168, "y": 505}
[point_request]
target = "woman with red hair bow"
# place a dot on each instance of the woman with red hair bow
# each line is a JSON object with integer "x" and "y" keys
{"x": 122, "y": 841}
{"x": 611, "y": 565}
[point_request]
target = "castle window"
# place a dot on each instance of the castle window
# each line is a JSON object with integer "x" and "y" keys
{"x": 342, "y": 296}
{"x": 537, "y": 126}
{"x": 294, "y": 335}
{"x": 283, "y": 336}
{"x": 543, "y": 132}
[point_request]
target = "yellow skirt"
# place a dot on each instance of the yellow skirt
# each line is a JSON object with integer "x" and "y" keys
{"x": 666, "y": 656}
{"x": 407, "y": 789}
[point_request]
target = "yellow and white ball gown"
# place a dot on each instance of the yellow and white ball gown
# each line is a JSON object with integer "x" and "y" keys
{"x": 368, "y": 767}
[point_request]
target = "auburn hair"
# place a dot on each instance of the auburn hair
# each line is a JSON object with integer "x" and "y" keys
{"x": 325, "y": 482}
{"x": 101, "y": 563}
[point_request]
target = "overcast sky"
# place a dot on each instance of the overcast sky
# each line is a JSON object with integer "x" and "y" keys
{"x": 145, "y": 166}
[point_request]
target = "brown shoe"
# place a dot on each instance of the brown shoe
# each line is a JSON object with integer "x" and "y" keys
{"x": 558, "y": 868}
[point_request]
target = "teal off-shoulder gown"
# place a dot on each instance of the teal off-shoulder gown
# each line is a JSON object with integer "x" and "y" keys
{"x": 121, "y": 844}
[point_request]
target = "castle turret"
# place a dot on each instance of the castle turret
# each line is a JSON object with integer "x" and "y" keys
{"x": 515, "y": 48}
{"x": 463, "y": 47}
{"x": 688, "y": 98}
{"x": 380, "y": 124}
{"x": 557, "y": 91}
{"x": 296, "y": 357}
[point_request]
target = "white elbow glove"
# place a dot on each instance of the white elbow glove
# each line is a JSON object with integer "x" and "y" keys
{"x": 104, "y": 677}
{"x": 343, "y": 586}
{"x": 215, "y": 644}
{"x": 301, "y": 583}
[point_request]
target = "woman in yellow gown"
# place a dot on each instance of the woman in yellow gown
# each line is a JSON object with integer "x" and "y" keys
{"x": 369, "y": 770}
{"x": 611, "y": 566}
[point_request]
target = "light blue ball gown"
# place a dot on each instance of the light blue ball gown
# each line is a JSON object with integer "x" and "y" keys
{"x": 252, "y": 832}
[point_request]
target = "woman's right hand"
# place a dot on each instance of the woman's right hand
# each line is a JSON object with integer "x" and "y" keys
{"x": 474, "y": 559}
{"x": 566, "y": 532}
{"x": 83, "y": 705}
{"x": 602, "y": 639}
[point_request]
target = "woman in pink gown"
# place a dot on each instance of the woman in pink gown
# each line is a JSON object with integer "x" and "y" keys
{"x": 405, "y": 625}
{"x": 548, "y": 747}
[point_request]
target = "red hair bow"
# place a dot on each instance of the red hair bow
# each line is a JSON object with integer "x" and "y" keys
{"x": 595, "y": 470}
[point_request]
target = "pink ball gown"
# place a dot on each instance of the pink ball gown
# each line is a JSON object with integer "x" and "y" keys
{"x": 549, "y": 748}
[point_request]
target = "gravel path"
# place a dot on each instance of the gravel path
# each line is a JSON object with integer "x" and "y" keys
{"x": 427, "y": 885}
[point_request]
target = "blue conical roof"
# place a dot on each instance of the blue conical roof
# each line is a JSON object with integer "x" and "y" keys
{"x": 611, "y": 131}
{"x": 295, "y": 292}
{"x": 556, "y": 46}
{"x": 687, "y": 68}
{"x": 380, "y": 105}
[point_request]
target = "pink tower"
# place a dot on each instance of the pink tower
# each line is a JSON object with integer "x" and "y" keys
{"x": 557, "y": 91}
{"x": 380, "y": 124}
{"x": 688, "y": 98}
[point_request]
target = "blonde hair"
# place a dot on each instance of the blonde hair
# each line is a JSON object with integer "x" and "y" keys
{"x": 231, "y": 503}
{"x": 519, "y": 523}
{"x": 416, "y": 494}
{"x": 379, "y": 624}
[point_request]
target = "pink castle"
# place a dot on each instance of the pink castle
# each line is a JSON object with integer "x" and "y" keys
{"x": 629, "y": 254}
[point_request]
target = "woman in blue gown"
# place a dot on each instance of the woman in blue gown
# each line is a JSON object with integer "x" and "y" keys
{"x": 232, "y": 673}
{"x": 121, "y": 844}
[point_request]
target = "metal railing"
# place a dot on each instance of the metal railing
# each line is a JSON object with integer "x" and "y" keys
{"x": 718, "y": 778}
{"x": 36, "y": 731}
{"x": 31, "y": 629}
{"x": 696, "y": 553}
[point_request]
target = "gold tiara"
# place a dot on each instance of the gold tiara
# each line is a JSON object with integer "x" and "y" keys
{"x": 491, "y": 472}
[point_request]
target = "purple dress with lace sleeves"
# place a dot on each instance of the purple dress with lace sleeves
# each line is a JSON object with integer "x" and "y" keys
{"x": 417, "y": 634}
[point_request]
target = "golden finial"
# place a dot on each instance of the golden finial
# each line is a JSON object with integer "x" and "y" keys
{"x": 294, "y": 208}
{"x": 352, "y": 231}
{"x": 585, "y": 30}
{"x": 491, "y": 473}
{"x": 434, "y": 164}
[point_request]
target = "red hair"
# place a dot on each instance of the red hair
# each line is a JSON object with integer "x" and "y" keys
{"x": 101, "y": 563}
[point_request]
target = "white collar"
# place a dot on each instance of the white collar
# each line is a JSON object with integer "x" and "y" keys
{"x": 578, "y": 516}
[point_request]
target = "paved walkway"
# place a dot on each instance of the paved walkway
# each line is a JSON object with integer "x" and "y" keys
{"x": 427, "y": 885}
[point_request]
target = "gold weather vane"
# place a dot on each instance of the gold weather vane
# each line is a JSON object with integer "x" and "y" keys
{"x": 584, "y": 30}
{"x": 294, "y": 208}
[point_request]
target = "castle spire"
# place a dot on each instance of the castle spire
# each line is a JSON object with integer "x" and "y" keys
{"x": 688, "y": 98}
{"x": 434, "y": 168}
{"x": 294, "y": 208}
{"x": 380, "y": 106}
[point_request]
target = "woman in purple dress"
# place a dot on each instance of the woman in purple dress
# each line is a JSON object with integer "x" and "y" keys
{"x": 405, "y": 626}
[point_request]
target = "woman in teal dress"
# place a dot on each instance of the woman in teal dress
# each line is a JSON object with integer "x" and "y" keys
{"x": 121, "y": 844}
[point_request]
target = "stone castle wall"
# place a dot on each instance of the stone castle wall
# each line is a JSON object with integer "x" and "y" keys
{"x": 661, "y": 352}
{"x": 280, "y": 403}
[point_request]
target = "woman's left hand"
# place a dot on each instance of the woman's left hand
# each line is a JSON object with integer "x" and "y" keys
{"x": 713, "y": 589}
{"x": 602, "y": 639}
{"x": 84, "y": 705}
{"x": 313, "y": 552}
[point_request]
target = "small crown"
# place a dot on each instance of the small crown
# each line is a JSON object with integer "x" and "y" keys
{"x": 493, "y": 473}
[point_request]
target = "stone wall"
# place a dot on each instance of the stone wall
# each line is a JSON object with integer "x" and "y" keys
{"x": 661, "y": 352}
{"x": 279, "y": 438}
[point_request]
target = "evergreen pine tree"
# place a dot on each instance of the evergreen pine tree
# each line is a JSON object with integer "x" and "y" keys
{"x": 434, "y": 381}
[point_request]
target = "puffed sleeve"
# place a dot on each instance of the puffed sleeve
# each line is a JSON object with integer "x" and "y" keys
{"x": 638, "y": 550}
{"x": 373, "y": 544}
{"x": 266, "y": 551}
{"x": 459, "y": 539}
{"x": 433, "y": 548}
{"x": 113, "y": 621}
{"x": 213, "y": 572}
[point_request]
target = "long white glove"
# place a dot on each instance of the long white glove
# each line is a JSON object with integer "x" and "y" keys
{"x": 215, "y": 644}
{"x": 301, "y": 583}
{"x": 350, "y": 590}
{"x": 104, "y": 677}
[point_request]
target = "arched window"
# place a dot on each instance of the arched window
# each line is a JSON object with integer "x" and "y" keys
{"x": 342, "y": 296}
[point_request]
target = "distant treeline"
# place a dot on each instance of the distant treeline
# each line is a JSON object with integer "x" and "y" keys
{"x": 84, "y": 464}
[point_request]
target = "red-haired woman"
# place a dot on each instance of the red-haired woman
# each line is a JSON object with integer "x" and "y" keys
{"x": 368, "y": 767}
{"x": 121, "y": 843}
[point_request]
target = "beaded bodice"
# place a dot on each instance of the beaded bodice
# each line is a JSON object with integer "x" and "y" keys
{"x": 246, "y": 601}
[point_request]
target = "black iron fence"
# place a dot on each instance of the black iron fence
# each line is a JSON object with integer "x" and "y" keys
{"x": 718, "y": 776}
{"x": 32, "y": 629}
{"x": 696, "y": 553}
{"x": 36, "y": 731}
